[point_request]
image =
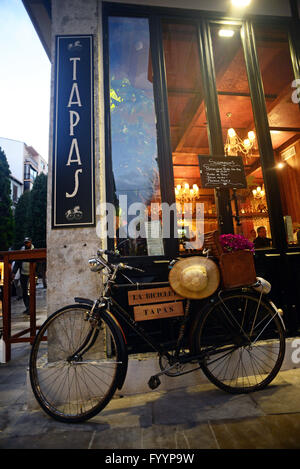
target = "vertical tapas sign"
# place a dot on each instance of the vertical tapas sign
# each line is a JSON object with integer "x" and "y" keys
{"x": 73, "y": 187}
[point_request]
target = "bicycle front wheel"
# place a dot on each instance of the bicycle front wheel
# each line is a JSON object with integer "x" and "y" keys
{"x": 243, "y": 343}
{"x": 74, "y": 365}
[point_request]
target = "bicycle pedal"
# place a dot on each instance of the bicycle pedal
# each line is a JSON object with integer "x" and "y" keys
{"x": 154, "y": 382}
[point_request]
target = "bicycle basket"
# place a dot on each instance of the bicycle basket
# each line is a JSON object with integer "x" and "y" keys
{"x": 237, "y": 269}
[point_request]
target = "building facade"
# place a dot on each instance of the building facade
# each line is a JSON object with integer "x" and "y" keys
{"x": 34, "y": 164}
{"x": 25, "y": 163}
{"x": 142, "y": 93}
{"x": 14, "y": 152}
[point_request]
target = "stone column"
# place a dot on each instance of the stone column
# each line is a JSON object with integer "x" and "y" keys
{"x": 68, "y": 250}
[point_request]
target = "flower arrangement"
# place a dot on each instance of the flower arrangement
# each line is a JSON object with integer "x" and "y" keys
{"x": 234, "y": 242}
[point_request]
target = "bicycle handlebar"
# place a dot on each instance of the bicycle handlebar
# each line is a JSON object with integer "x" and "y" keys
{"x": 108, "y": 252}
{"x": 117, "y": 254}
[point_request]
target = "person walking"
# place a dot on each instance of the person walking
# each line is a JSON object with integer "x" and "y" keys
{"x": 24, "y": 274}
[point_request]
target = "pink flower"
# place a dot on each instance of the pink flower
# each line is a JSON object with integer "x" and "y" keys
{"x": 233, "y": 242}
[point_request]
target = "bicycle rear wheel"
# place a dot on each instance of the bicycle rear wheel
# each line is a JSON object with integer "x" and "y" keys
{"x": 75, "y": 388}
{"x": 243, "y": 341}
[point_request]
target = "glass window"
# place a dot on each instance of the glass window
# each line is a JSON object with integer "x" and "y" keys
{"x": 33, "y": 173}
{"x": 188, "y": 132}
{"x": 282, "y": 105}
{"x": 27, "y": 186}
{"x": 134, "y": 173}
{"x": 27, "y": 171}
{"x": 239, "y": 133}
{"x": 15, "y": 193}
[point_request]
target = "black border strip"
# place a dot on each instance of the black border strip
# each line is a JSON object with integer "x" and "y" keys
{"x": 92, "y": 223}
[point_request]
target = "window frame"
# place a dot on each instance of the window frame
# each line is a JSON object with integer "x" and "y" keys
{"x": 202, "y": 20}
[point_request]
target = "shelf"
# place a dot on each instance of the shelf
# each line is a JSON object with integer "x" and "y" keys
{"x": 254, "y": 214}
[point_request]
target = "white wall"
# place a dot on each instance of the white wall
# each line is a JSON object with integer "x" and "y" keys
{"x": 14, "y": 151}
{"x": 19, "y": 187}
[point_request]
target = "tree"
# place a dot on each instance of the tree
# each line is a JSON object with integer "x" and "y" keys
{"x": 38, "y": 211}
{"x": 31, "y": 214}
{"x": 22, "y": 219}
{"x": 6, "y": 216}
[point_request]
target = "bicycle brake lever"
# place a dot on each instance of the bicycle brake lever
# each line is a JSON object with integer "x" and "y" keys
{"x": 108, "y": 252}
{"x": 138, "y": 270}
{"x": 129, "y": 267}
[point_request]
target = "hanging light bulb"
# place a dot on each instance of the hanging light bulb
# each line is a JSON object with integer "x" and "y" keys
{"x": 226, "y": 32}
{"x": 258, "y": 193}
{"x": 235, "y": 145}
{"x": 247, "y": 143}
{"x": 251, "y": 136}
{"x": 185, "y": 193}
{"x": 231, "y": 133}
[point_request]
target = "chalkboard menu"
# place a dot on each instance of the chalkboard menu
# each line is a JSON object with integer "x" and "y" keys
{"x": 226, "y": 172}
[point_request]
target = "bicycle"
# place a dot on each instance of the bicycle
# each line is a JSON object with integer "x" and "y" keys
{"x": 79, "y": 357}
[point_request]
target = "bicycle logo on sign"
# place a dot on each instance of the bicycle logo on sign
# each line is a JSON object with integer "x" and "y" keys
{"x": 74, "y": 214}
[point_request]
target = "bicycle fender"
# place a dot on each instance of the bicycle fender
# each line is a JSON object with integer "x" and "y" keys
{"x": 121, "y": 336}
{"x": 197, "y": 318}
{"x": 124, "y": 354}
{"x": 278, "y": 313}
{"x": 84, "y": 301}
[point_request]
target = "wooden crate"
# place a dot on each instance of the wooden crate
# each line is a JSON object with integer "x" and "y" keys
{"x": 237, "y": 269}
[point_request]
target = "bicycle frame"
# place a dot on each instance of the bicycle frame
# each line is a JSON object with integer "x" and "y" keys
{"x": 118, "y": 312}
{"x": 135, "y": 326}
{"x": 235, "y": 338}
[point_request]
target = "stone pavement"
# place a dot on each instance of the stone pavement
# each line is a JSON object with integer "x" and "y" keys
{"x": 191, "y": 418}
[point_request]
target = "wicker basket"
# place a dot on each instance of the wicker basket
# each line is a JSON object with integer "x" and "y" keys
{"x": 237, "y": 268}
{"x": 212, "y": 243}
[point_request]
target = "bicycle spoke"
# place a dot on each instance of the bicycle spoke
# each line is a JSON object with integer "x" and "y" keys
{"x": 74, "y": 389}
{"x": 257, "y": 336}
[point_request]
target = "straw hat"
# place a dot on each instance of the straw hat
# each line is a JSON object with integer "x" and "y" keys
{"x": 195, "y": 277}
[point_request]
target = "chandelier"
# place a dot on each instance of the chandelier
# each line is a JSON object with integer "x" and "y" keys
{"x": 235, "y": 145}
{"x": 185, "y": 193}
{"x": 258, "y": 193}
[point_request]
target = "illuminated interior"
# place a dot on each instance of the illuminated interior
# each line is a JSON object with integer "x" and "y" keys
{"x": 135, "y": 169}
{"x": 188, "y": 123}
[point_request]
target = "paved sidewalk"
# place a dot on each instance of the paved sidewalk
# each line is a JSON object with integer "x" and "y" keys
{"x": 195, "y": 417}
